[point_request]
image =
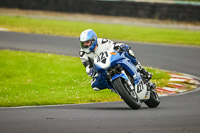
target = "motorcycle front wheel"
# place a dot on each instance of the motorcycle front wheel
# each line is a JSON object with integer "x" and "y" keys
{"x": 129, "y": 96}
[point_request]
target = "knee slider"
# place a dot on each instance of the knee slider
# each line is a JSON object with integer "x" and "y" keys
{"x": 96, "y": 89}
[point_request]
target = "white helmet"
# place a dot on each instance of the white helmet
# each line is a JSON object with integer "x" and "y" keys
{"x": 88, "y": 35}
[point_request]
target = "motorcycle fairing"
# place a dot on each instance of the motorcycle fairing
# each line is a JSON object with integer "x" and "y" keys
{"x": 119, "y": 75}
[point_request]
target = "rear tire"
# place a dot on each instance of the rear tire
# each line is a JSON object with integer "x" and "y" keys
{"x": 129, "y": 96}
{"x": 154, "y": 100}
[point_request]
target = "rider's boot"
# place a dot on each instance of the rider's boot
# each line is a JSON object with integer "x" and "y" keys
{"x": 130, "y": 54}
{"x": 96, "y": 84}
{"x": 147, "y": 75}
{"x": 152, "y": 86}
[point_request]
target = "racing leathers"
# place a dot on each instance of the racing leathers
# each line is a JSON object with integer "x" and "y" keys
{"x": 104, "y": 44}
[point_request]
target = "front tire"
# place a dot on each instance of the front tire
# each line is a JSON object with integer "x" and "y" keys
{"x": 129, "y": 96}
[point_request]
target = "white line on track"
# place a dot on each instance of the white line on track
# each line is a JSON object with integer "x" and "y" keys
{"x": 60, "y": 105}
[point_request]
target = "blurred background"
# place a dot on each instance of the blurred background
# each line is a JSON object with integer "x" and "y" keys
{"x": 178, "y": 10}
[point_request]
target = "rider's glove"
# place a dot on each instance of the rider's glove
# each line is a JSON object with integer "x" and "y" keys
{"x": 90, "y": 71}
{"x": 124, "y": 47}
{"x": 121, "y": 47}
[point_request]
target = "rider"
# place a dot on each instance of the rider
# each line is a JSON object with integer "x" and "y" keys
{"x": 91, "y": 46}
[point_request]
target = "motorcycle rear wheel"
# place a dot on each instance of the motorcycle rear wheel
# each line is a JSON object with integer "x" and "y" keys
{"x": 129, "y": 96}
{"x": 154, "y": 100}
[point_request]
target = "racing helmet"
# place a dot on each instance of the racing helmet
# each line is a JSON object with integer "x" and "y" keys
{"x": 85, "y": 36}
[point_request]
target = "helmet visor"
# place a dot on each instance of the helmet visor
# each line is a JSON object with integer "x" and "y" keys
{"x": 86, "y": 44}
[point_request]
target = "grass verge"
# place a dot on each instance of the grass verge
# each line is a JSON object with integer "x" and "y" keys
{"x": 120, "y": 32}
{"x": 48, "y": 79}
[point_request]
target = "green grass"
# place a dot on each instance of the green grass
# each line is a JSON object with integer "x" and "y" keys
{"x": 44, "y": 79}
{"x": 111, "y": 31}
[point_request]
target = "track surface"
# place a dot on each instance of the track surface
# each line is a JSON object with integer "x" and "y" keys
{"x": 177, "y": 114}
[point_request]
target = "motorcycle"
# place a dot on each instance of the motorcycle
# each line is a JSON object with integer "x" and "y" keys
{"x": 121, "y": 76}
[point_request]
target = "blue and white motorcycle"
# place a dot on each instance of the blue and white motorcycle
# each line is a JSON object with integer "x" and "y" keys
{"x": 122, "y": 77}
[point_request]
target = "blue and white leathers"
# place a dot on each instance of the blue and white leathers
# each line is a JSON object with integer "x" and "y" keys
{"x": 109, "y": 59}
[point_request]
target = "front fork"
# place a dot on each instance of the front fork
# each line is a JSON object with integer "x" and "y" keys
{"x": 119, "y": 72}
{"x": 128, "y": 80}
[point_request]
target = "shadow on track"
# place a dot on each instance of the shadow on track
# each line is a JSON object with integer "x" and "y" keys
{"x": 100, "y": 107}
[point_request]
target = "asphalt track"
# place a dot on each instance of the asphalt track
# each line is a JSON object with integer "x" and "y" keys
{"x": 176, "y": 114}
